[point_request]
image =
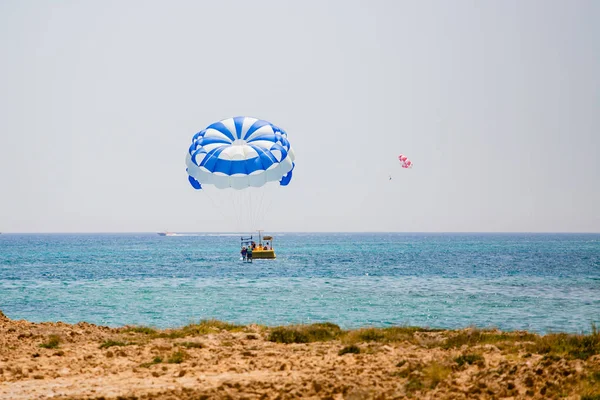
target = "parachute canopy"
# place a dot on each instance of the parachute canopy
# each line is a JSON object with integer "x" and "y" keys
{"x": 406, "y": 163}
{"x": 238, "y": 153}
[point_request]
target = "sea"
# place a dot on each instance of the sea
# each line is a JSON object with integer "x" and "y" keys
{"x": 541, "y": 283}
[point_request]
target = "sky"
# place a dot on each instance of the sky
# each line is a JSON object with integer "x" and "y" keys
{"x": 497, "y": 103}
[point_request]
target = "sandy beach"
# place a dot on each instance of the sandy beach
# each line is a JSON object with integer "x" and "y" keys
{"x": 217, "y": 360}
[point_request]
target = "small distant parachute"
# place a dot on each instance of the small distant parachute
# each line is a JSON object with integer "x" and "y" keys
{"x": 406, "y": 163}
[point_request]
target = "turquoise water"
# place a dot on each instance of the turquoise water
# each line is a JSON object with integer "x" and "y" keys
{"x": 539, "y": 282}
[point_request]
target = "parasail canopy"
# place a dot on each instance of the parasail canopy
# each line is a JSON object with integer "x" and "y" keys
{"x": 238, "y": 153}
{"x": 406, "y": 163}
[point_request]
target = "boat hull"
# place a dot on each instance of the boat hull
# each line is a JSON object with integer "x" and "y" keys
{"x": 263, "y": 254}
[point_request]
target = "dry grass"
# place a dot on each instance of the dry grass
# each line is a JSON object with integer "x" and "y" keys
{"x": 52, "y": 343}
{"x": 322, "y": 332}
{"x": 178, "y": 357}
{"x": 191, "y": 345}
{"x": 421, "y": 378}
{"x": 434, "y": 373}
{"x": 111, "y": 343}
{"x": 475, "y": 337}
{"x": 139, "y": 329}
{"x": 557, "y": 345}
{"x": 383, "y": 335}
{"x": 319, "y": 332}
{"x": 202, "y": 328}
{"x": 570, "y": 346}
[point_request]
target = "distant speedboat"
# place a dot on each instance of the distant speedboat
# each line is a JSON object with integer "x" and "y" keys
{"x": 166, "y": 234}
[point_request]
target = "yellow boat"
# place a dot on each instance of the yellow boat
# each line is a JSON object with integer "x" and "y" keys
{"x": 261, "y": 250}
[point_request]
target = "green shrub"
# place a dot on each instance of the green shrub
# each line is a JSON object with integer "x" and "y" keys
{"x": 319, "y": 332}
{"x": 52, "y": 343}
{"x": 287, "y": 335}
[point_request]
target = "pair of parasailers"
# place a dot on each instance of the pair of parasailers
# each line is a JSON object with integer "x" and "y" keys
{"x": 247, "y": 253}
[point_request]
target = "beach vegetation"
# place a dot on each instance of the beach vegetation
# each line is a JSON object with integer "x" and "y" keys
{"x": 352, "y": 349}
{"x": 202, "y": 328}
{"x": 475, "y": 337}
{"x": 52, "y": 343}
{"x": 325, "y": 331}
{"x": 212, "y": 325}
{"x": 383, "y": 335}
{"x": 319, "y": 332}
{"x": 556, "y": 345}
{"x": 140, "y": 329}
{"x": 589, "y": 388}
{"x": 288, "y": 335}
{"x": 111, "y": 343}
{"x": 170, "y": 334}
{"x": 191, "y": 345}
{"x": 469, "y": 359}
{"x": 156, "y": 360}
{"x": 434, "y": 373}
{"x": 178, "y": 357}
{"x": 413, "y": 385}
{"x": 571, "y": 346}
{"x": 370, "y": 335}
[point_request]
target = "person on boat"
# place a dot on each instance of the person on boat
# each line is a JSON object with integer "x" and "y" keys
{"x": 249, "y": 254}
{"x": 244, "y": 253}
{"x": 267, "y": 246}
{"x": 253, "y": 245}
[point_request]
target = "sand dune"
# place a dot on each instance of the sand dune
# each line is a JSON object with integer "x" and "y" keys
{"x": 218, "y": 360}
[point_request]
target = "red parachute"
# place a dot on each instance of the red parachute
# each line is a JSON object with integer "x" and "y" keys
{"x": 406, "y": 163}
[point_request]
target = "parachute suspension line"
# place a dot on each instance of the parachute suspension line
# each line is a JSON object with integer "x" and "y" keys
{"x": 259, "y": 212}
{"x": 267, "y": 207}
{"x": 241, "y": 210}
{"x": 232, "y": 208}
{"x": 250, "y": 207}
{"x": 214, "y": 204}
{"x": 236, "y": 199}
{"x": 244, "y": 211}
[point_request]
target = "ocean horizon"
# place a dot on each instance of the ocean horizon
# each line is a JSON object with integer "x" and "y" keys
{"x": 541, "y": 282}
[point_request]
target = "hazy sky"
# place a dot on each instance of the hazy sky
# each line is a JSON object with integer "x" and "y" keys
{"x": 497, "y": 103}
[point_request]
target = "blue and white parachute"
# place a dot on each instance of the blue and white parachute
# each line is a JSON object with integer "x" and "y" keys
{"x": 238, "y": 153}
